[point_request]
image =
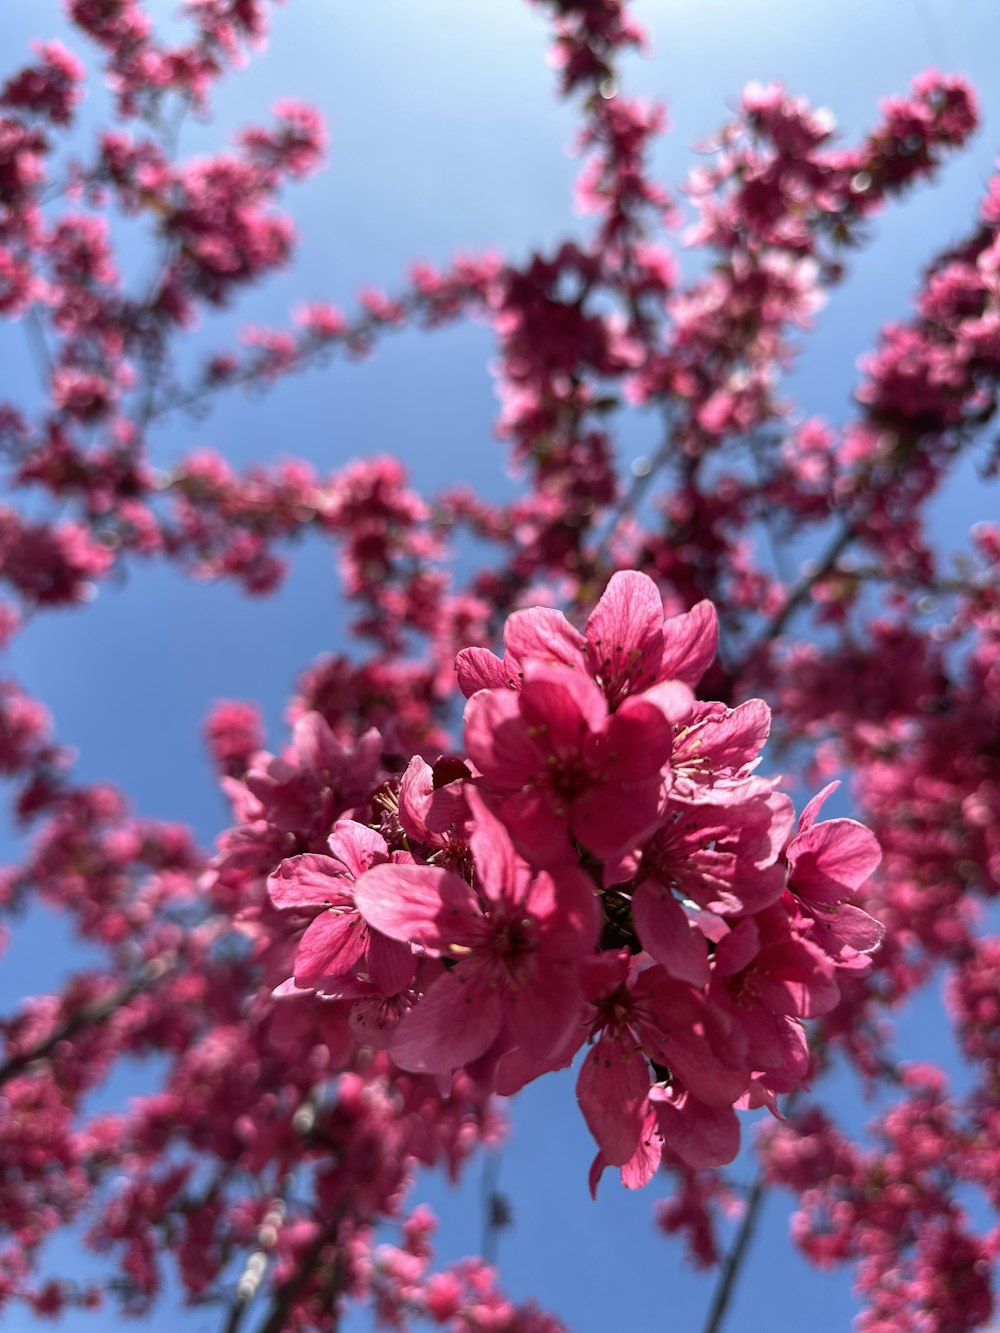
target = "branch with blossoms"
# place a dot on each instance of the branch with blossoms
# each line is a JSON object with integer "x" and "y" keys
{"x": 601, "y": 875}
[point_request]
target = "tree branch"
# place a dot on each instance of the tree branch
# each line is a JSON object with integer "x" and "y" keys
{"x": 734, "y": 1260}
{"x": 95, "y": 1012}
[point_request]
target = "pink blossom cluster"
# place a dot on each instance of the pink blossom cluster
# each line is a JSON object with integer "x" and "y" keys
{"x": 605, "y": 871}
{"x": 891, "y": 1208}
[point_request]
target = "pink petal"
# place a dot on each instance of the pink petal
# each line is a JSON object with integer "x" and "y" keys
{"x": 739, "y": 948}
{"x": 640, "y": 1168}
{"x": 677, "y": 1026}
{"x": 625, "y": 634}
{"x": 564, "y": 903}
{"x": 668, "y": 936}
{"x": 331, "y": 947}
{"x": 479, "y": 669}
{"x": 503, "y": 875}
{"x": 808, "y": 816}
{"x": 457, "y": 1020}
{"x": 516, "y": 1067}
{"x": 636, "y": 742}
{"x": 539, "y": 832}
{"x": 374, "y": 1019}
{"x": 390, "y": 965}
{"x": 309, "y": 880}
{"x": 797, "y": 979}
{"x": 830, "y": 861}
{"x": 545, "y": 1008}
{"x": 561, "y": 706}
{"x": 612, "y": 1090}
{"x": 700, "y": 1070}
{"x": 357, "y": 846}
{"x": 689, "y": 644}
{"x": 853, "y": 927}
{"x": 699, "y": 1134}
{"x": 739, "y": 737}
{"x": 497, "y": 739}
{"x": 728, "y": 739}
{"x": 672, "y": 697}
{"x": 416, "y": 789}
{"x": 317, "y": 745}
{"x": 614, "y": 818}
{"x": 419, "y": 905}
{"x": 426, "y": 806}
{"x": 541, "y": 636}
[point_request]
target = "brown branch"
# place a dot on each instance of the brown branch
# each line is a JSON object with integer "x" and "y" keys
{"x": 35, "y": 331}
{"x": 88, "y": 1014}
{"x": 804, "y": 587}
{"x": 641, "y": 482}
{"x": 495, "y": 1206}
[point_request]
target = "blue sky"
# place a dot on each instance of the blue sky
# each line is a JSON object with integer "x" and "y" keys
{"x": 444, "y": 135}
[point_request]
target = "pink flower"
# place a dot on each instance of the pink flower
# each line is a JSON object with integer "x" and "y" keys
{"x": 317, "y": 778}
{"x": 626, "y": 648}
{"x": 766, "y": 976}
{"x": 649, "y": 1018}
{"x": 568, "y": 767}
{"x": 828, "y": 863}
{"x": 538, "y": 635}
{"x": 513, "y": 951}
{"x": 630, "y": 646}
{"x": 339, "y": 954}
{"x": 722, "y": 859}
{"x": 717, "y": 750}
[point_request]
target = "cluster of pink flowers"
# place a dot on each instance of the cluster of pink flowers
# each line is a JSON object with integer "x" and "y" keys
{"x": 396, "y": 925}
{"x": 606, "y": 869}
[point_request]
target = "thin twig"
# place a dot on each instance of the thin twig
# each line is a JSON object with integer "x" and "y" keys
{"x": 496, "y": 1209}
{"x": 734, "y": 1260}
{"x": 804, "y": 587}
{"x": 36, "y": 336}
{"x": 641, "y": 483}
{"x": 748, "y": 1228}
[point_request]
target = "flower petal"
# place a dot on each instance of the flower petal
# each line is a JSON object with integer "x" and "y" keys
{"x": 331, "y": 947}
{"x": 667, "y": 935}
{"x": 829, "y": 861}
{"x": 625, "y": 635}
{"x": 390, "y": 965}
{"x": 479, "y": 669}
{"x": 309, "y": 880}
{"x": 456, "y": 1021}
{"x": 545, "y": 1008}
{"x": 561, "y": 706}
{"x": 689, "y": 644}
{"x": 423, "y": 905}
{"x": 497, "y": 739}
{"x": 541, "y": 636}
{"x": 612, "y": 1091}
{"x": 357, "y": 846}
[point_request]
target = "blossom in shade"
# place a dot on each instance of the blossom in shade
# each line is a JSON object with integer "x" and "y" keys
{"x": 339, "y": 952}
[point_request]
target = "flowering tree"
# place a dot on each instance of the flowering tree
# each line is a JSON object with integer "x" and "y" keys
{"x": 424, "y": 902}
